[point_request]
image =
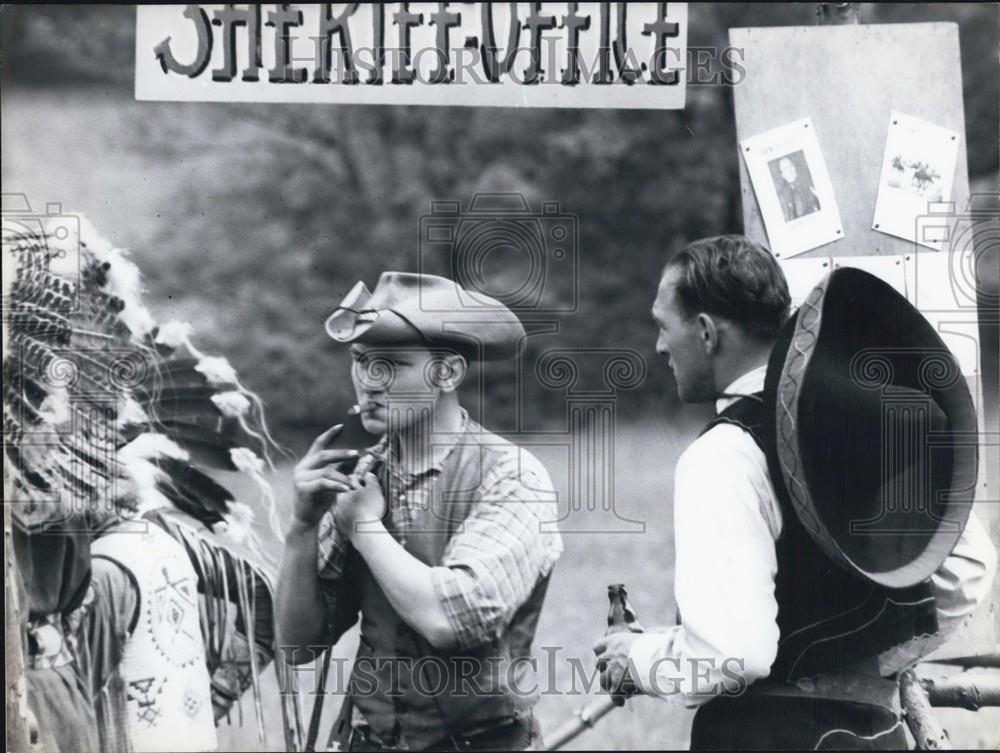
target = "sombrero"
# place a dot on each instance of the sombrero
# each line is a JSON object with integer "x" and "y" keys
{"x": 870, "y": 430}
{"x": 417, "y": 309}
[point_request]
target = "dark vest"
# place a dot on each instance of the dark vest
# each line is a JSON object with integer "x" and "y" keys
{"x": 403, "y": 686}
{"x": 829, "y": 619}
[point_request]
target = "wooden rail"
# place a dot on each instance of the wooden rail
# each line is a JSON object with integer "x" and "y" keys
{"x": 918, "y": 696}
{"x": 963, "y": 691}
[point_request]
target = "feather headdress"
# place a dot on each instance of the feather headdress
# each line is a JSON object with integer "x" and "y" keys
{"x": 106, "y": 414}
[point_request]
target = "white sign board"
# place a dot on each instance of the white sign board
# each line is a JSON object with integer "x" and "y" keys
{"x": 608, "y": 55}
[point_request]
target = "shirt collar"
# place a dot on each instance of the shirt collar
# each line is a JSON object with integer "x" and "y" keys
{"x": 434, "y": 467}
{"x": 747, "y": 384}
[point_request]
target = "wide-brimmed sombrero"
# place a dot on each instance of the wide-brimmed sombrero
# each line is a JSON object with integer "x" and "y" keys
{"x": 870, "y": 430}
{"x": 417, "y": 309}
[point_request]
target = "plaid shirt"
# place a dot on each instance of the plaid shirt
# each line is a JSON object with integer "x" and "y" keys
{"x": 491, "y": 565}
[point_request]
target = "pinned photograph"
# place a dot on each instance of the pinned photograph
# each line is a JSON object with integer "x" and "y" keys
{"x": 794, "y": 185}
{"x": 918, "y": 168}
{"x": 793, "y": 188}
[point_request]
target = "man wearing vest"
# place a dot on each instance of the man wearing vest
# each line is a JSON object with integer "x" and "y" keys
{"x": 443, "y": 551}
{"x": 803, "y": 584}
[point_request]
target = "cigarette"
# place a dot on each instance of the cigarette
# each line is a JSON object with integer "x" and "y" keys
{"x": 368, "y": 460}
{"x": 357, "y": 408}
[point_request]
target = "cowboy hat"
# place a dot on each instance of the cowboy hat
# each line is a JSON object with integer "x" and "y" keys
{"x": 870, "y": 430}
{"x": 417, "y": 309}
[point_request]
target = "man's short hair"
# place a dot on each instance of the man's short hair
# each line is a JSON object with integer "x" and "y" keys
{"x": 731, "y": 276}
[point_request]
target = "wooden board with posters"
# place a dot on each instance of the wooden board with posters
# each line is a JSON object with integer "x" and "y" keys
{"x": 849, "y": 80}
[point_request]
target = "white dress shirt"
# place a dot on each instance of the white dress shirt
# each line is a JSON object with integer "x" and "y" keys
{"x": 726, "y": 521}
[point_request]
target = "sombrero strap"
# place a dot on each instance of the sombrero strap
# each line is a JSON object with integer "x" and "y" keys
{"x": 738, "y": 416}
{"x": 758, "y": 396}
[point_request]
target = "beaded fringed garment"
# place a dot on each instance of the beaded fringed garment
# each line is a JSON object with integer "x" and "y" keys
{"x": 112, "y": 421}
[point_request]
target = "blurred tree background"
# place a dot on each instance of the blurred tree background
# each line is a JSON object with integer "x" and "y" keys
{"x": 251, "y": 221}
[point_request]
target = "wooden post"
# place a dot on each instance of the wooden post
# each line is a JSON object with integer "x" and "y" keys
{"x": 828, "y": 14}
{"x": 18, "y": 735}
{"x": 585, "y": 719}
{"x": 987, "y": 661}
{"x": 919, "y": 716}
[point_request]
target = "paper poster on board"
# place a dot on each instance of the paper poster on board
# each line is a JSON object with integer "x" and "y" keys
{"x": 941, "y": 294}
{"x": 890, "y": 269}
{"x": 918, "y": 168}
{"x": 793, "y": 188}
{"x": 802, "y": 275}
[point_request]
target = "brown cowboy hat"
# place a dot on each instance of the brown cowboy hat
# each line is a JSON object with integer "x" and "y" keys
{"x": 417, "y": 309}
{"x": 871, "y": 431}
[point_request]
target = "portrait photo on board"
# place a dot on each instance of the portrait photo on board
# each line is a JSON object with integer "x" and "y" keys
{"x": 794, "y": 185}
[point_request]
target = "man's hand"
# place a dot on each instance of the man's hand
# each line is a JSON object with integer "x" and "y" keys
{"x": 365, "y": 505}
{"x": 317, "y": 479}
{"x": 613, "y": 664}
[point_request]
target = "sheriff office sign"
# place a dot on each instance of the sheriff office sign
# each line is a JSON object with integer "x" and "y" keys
{"x": 610, "y": 55}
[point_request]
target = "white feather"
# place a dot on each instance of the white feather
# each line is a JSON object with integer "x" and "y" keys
{"x": 232, "y": 404}
{"x": 174, "y": 333}
{"x": 55, "y": 409}
{"x": 246, "y": 460}
{"x": 217, "y": 370}
{"x": 242, "y": 512}
{"x": 239, "y": 524}
{"x": 65, "y": 234}
{"x": 94, "y": 241}
{"x": 136, "y": 457}
{"x": 146, "y": 476}
{"x": 130, "y": 413}
{"x": 148, "y": 445}
{"x": 125, "y": 282}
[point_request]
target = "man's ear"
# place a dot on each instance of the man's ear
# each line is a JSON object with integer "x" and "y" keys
{"x": 708, "y": 331}
{"x": 448, "y": 371}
